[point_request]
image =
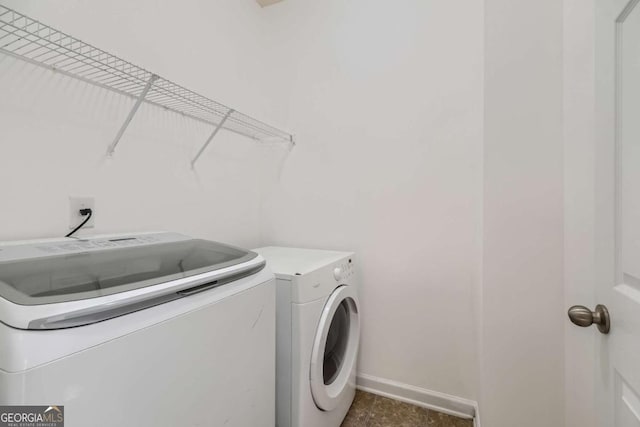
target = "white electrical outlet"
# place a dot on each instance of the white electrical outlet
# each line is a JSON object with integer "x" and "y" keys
{"x": 77, "y": 203}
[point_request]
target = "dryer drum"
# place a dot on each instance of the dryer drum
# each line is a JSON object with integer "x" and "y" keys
{"x": 335, "y": 349}
{"x": 336, "y": 346}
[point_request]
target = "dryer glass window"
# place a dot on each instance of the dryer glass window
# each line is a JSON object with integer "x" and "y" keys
{"x": 336, "y": 346}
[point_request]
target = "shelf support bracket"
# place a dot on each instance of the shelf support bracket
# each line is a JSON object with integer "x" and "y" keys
{"x": 132, "y": 113}
{"x": 213, "y": 134}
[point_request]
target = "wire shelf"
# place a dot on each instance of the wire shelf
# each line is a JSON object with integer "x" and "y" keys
{"x": 40, "y": 44}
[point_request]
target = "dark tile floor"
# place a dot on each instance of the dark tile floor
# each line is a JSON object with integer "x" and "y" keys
{"x": 369, "y": 410}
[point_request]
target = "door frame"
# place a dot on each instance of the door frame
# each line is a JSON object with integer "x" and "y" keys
{"x": 583, "y": 166}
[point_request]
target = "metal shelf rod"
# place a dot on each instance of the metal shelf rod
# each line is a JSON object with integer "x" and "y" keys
{"x": 32, "y": 41}
{"x": 124, "y": 93}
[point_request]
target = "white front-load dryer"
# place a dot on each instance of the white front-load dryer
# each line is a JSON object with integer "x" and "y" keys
{"x": 317, "y": 335}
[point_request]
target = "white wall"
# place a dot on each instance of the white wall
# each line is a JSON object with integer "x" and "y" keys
{"x": 55, "y": 130}
{"x": 386, "y": 103}
{"x": 522, "y": 361}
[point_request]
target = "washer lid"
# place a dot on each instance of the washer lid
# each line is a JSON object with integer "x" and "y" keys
{"x": 71, "y": 270}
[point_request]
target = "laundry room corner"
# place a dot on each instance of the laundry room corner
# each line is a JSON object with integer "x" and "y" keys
{"x": 360, "y": 179}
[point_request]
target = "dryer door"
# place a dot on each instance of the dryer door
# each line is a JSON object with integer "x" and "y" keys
{"x": 335, "y": 349}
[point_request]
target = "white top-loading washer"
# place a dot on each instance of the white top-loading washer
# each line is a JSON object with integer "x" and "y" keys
{"x": 318, "y": 330}
{"x": 152, "y": 329}
{"x": 61, "y": 283}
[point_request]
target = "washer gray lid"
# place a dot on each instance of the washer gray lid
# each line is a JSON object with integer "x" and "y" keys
{"x": 71, "y": 271}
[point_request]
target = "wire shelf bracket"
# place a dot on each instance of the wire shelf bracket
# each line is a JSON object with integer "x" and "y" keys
{"x": 32, "y": 41}
{"x": 208, "y": 141}
{"x": 132, "y": 113}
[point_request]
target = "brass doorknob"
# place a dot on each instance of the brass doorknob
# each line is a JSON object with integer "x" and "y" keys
{"x": 582, "y": 316}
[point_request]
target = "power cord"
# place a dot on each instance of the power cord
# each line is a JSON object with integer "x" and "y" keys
{"x": 83, "y": 212}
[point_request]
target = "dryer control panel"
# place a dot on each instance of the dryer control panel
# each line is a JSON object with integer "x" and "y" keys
{"x": 310, "y": 274}
{"x": 344, "y": 270}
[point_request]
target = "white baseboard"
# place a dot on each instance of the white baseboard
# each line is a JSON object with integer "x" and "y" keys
{"x": 429, "y": 399}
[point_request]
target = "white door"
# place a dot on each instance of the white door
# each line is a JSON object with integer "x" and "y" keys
{"x": 617, "y": 212}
